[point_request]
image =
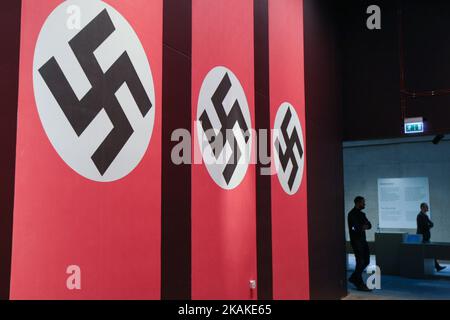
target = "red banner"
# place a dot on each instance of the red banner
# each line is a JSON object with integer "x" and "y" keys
{"x": 289, "y": 188}
{"x": 223, "y": 187}
{"x": 87, "y": 221}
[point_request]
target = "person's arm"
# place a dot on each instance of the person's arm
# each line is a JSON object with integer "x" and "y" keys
{"x": 354, "y": 223}
{"x": 367, "y": 223}
{"x": 430, "y": 223}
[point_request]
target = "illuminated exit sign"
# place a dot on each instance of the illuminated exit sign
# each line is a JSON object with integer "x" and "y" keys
{"x": 414, "y": 125}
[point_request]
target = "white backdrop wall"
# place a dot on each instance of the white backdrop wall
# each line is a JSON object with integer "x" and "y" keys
{"x": 364, "y": 164}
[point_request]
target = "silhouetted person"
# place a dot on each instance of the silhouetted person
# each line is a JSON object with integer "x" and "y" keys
{"x": 424, "y": 224}
{"x": 357, "y": 226}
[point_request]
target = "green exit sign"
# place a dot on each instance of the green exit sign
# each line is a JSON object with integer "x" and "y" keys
{"x": 414, "y": 126}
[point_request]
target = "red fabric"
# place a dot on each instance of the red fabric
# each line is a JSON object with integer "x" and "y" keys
{"x": 289, "y": 213}
{"x": 111, "y": 230}
{"x": 223, "y": 222}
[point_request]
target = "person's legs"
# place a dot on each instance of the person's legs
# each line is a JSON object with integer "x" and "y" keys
{"x": 356, "y": 276}
{"x": 362, "y": 255}
{"x": 366, "y": 255}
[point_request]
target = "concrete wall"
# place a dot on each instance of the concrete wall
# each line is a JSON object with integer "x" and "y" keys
{"x": 363, "y": 165}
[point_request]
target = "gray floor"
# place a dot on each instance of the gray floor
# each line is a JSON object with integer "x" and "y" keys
{"x": 398, "y": 288}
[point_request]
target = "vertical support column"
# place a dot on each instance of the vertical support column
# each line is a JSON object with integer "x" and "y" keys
{"x": 176, "y": 179}
{"x": 9, "y": 82}
{"x": 262, "y": 122}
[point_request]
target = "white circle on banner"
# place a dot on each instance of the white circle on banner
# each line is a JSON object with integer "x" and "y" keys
{"x": 97, "y": 105}
{"x": 288, "y": 148}
{"x": 223, "y": 115}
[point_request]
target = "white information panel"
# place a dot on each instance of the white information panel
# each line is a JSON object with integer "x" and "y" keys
{"x": 399, "y": 201}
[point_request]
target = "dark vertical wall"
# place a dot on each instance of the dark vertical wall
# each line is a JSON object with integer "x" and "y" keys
{"x": 9, "y": 71}
{"x": 176, "y": 179}
{"x": 324, "y": 141}
{"x": 262, "y": 122}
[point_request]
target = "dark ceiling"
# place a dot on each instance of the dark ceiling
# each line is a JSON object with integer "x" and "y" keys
{"x": 414, "y": 41}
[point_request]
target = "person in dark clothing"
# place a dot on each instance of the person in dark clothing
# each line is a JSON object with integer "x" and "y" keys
{"x": 357, "y": 226}
{"x": 424, "y": 224}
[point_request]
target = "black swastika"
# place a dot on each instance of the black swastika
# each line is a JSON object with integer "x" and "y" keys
{"x": 101, "y": 96}
{"x": 227, "y": 122}
{"x": 291, "y": 142}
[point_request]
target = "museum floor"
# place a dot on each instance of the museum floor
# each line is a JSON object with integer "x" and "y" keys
{"x": 398, "y": 288}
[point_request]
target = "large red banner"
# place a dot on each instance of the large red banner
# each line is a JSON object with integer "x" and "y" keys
{"x": 289, "y": 188}
{"x": 87, "y": 219}
{"x": 223, "y": 187}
